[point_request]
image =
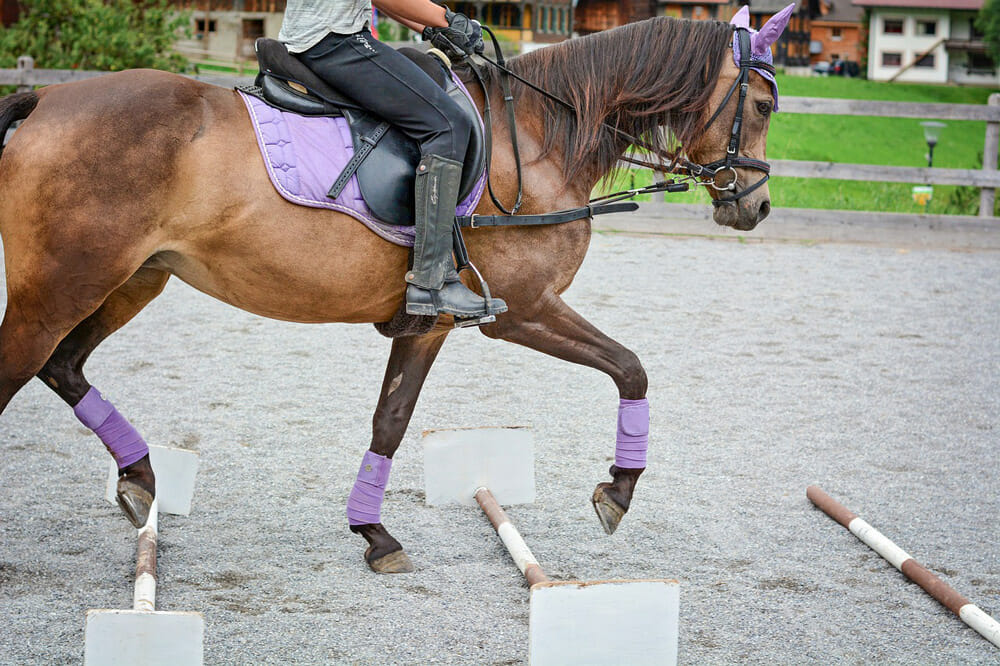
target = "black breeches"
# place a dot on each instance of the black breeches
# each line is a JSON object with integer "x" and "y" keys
{"x": 394, "y": 88}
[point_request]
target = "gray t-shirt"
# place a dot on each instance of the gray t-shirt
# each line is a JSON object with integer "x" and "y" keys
{"x": 306, "y": 22}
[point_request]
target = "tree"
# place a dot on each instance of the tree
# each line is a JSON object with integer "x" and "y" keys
{"x": 988, "y": 22}
{"x": 95, "y": 34}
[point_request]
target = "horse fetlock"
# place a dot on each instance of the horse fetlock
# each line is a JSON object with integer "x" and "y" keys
{"x": 384, "y": 554}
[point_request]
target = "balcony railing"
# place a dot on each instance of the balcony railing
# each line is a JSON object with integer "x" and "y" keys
{"x": 231, "y": 5}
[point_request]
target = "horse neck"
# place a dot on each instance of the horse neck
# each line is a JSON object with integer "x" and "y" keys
{"x": 638, "y": 78}
{"x": 530, "y": 114}
{"x": 598, "y": 156}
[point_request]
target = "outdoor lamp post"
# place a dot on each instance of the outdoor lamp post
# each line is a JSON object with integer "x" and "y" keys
{"x": 931, "y": 131}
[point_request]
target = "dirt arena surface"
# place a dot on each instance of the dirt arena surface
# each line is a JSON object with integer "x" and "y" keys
{"x": 869, "y": 370}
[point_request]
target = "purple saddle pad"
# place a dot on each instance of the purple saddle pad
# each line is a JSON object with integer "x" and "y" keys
{"x": 304, "y": 155}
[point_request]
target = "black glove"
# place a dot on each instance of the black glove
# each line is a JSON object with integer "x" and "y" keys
{"x": 462, "y": 37}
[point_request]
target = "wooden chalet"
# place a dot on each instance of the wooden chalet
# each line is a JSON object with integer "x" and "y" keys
{"x": 792, "y": 48}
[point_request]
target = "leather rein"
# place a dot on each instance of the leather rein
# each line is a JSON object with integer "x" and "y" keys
{"x": 720, "y": 175}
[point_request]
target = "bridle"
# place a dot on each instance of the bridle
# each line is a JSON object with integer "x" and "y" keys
{"x": 720, "y": 175}
{"x": 727, "y": 165}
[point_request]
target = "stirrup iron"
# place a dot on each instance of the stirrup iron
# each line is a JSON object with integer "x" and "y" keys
{"x": 462, "y": 262}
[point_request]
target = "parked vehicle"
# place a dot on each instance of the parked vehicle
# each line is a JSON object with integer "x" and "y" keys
{"x": 823, "y": 68}
{"x": 845, "y": 68}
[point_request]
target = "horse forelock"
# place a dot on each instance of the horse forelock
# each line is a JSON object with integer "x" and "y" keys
{"x": 639, "y": 77}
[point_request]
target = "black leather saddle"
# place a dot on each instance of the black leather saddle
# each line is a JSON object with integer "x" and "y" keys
{"x": 385, "y": 158}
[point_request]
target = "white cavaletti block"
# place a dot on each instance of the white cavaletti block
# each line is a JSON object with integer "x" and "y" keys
{"x": 606, "y": 622}
{"x": 458, "y": 462}
{"x": 175, "y": 471}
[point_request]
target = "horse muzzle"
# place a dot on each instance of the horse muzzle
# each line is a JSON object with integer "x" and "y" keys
{"x": 743, "y": 215}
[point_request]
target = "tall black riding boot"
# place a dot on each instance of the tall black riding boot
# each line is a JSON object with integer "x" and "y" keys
{"x": 434, "y": 286}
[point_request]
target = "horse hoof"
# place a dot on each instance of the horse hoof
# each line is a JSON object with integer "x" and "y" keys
{"x": 394, "y": 562}
{"x": 135, "y": 501}
{"x": 609, "y": 512}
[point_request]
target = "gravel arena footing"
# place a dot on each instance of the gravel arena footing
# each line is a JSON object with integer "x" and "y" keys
{"x": 870, "y": 370}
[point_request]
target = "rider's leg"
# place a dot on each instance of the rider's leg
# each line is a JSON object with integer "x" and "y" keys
{"x": 433, "y": 284}
{"x": 392, "y": 87}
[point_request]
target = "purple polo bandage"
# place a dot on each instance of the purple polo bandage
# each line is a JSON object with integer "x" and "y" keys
{"x": 122, "y": 440}
{"x": 633, "y": 434}
{"x": 364, "y": 505}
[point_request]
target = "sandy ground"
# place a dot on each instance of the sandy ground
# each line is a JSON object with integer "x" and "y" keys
{"x": 871, "y": 371}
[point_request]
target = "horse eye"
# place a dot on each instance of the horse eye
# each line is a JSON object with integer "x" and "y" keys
{"x": 764, "y": 108}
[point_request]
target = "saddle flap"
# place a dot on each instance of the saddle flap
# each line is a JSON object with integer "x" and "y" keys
{"x": 386, "y": 177}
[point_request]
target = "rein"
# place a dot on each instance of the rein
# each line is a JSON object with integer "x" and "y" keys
{"x": 720, "y": 175}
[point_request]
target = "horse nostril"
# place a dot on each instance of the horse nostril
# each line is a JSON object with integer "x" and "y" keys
{"x": 765, "y": 210}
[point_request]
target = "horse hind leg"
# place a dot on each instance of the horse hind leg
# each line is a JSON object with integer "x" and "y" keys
{"x": 63, "y": 373}
{"x": 25, "y": 344}
{"x": 550, "y": 326}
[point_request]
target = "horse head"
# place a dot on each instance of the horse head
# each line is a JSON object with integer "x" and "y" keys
{"x": 736, "y": 120}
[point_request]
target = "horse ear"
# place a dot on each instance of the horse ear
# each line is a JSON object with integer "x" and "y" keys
{"x": 761, "y": 42}
{"x": 741, "y": 19}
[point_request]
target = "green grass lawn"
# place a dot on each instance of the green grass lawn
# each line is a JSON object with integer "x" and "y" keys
{"x": 867, "y": 140}
{"x": 846, "y": 88}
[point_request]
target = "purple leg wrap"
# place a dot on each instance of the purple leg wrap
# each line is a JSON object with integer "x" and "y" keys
{"x": 633, "y": 434}
{"x": 364, "y": 506}
{"x": 122, "y": 440}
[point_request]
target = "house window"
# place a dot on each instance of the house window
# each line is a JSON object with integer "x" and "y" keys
{"x": 892, "y": 59}
{"x": 927, "y": 61}
{"x": 836, "y": 34}
{"x": 980, "y": 63}
{"x": 977, "y": 34}
{"x": 892, "y": 26}
{"x": 562, "y": 20}
{"x": 253, "y": 28}
{"x": 503, "y": 16}
{"x": 199, "y": 26}
{"x": 926, "y": 28}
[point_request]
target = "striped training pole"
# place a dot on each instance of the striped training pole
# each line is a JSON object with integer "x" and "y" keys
{"x": 511, "y": 538}
{"x": 144, "y": 598}
{"x": 970, "y": 613}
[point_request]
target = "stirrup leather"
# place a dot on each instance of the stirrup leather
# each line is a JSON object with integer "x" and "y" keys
{"x": 494, "y": 306}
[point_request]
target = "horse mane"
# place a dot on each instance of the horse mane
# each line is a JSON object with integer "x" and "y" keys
{"x": 638, "y": 78}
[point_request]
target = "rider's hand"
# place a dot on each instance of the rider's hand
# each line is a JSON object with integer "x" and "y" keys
{"x": 462, "y": 37}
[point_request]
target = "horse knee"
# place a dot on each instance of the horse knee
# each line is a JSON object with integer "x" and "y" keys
{"x": 388, "y": 427}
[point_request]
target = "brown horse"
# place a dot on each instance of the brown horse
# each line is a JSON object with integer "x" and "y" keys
{"x": 113, "y": 184}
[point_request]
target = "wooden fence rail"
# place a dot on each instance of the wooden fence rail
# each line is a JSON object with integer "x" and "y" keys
{"x": 987, "y": 178}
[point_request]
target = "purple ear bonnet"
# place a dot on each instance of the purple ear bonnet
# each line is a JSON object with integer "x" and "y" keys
{"x": 761, "y": 41}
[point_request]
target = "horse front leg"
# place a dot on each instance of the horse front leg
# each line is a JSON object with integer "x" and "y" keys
{"x": 552, "y": 327}
{"x": 409, "y": 362}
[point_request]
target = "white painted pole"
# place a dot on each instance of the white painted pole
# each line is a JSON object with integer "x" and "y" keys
{"x": 144, "y": 598}
{"x": 970, "y": 613}
{"x": 511, "y": 538}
